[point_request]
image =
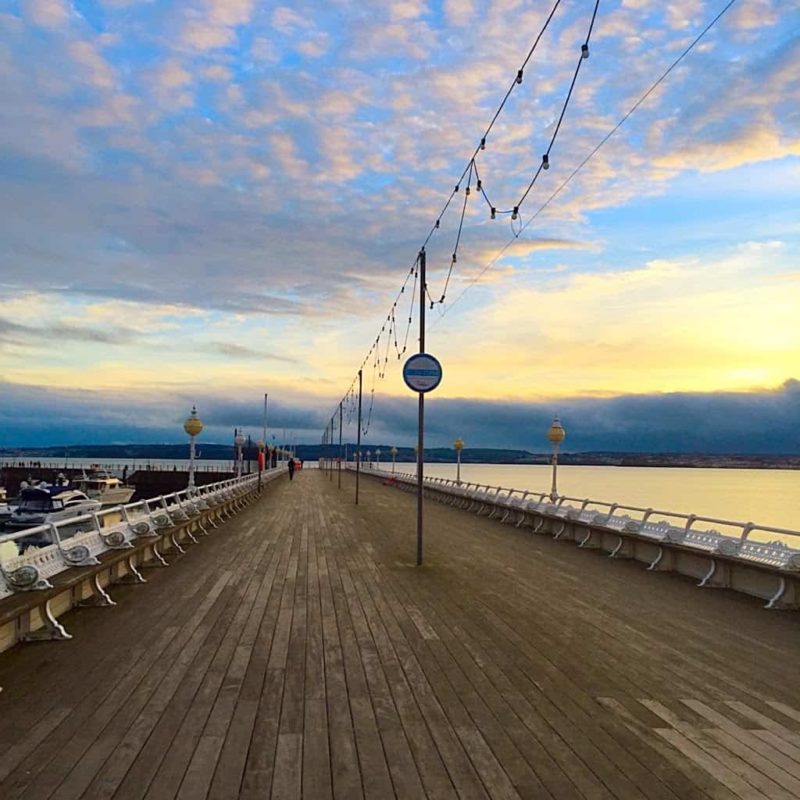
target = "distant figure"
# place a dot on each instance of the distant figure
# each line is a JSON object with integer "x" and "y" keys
{"x": 124, "y": 473}
{"x": 291, "y": 469}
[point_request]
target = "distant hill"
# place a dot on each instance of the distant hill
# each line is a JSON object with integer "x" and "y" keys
{"x": 471, "y": 455}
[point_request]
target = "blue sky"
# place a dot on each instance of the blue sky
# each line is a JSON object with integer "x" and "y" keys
{"x": 206, "y": 200}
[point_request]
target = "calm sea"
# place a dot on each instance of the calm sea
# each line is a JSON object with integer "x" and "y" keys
{"x": 766, "y": 497}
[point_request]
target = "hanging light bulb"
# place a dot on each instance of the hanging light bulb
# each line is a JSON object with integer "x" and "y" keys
{"x": 437, "y": 224}
{"x": 493, "y": 213}
{"x": 454, "y": 258}
{"x": 478, "y": 185}
{"x": 483, "y": 143}
{"x": 466, "y": 191}
{"x": 584, "y": 51}
{"x": 515, "y": 212}
{"x": 519, "y": 76}
{"x": 457, "y": 187}
{"x": 545, "y": 161}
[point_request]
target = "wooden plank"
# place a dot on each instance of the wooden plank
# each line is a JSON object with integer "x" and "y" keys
{"x": 747, "y": 738}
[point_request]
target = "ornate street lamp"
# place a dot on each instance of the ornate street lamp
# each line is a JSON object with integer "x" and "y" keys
{"x": 393, "y": 451}
{"x": 458, "y": 444}
{"x": 555, "y": 435}
{"x": 239, "y": 441}
{"x": 193, "y": 426}
{"x": 378, "y": 458}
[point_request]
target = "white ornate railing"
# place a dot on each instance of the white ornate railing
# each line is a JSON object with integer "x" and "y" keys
{"x": 114, "y": 528}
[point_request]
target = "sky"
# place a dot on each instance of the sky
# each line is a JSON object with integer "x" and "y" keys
{"x": 204, "y": 201}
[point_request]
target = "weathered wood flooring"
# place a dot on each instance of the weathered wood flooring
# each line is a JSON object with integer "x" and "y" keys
{"x": 296, "y": 652}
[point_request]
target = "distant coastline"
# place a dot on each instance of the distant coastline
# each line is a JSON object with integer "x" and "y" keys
{"x": 474, "y": 455}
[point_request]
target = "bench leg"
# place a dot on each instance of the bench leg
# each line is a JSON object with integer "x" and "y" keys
{"x": 132, "y": 576}
{"x": 718, "y": 576}
{"x": 100, "y": 597}
{"x": 787, "y": 595}
{"x": 53, "y": 630}
{"x": 623, "y": 548}
{"x": 175, "y": 544}
{"x": 159, "y": 560}
{"x": 662, "y": 562}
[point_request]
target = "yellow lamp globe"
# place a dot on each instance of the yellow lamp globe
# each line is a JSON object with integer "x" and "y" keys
{"x": 458, "y": 444}
{"x": 556, "y": 433}
{"x": 193, "y": 425}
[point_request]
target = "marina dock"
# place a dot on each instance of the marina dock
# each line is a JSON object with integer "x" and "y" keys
{"x": 298, "y": 652}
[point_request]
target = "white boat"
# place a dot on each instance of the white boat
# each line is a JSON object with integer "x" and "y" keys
{"x": 5, "y": 509}
{"x": 5, "y": 513}
{"x": 41, "y": 505}
{"x": 108, "y": 490}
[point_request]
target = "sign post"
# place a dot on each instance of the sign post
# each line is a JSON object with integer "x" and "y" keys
{"x": 422, "y": 373}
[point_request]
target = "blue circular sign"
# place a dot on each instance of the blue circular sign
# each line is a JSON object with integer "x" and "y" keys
{"x": 422, "y": 372}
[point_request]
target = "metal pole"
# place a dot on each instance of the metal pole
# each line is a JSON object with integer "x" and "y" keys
{"x": 421, "y": 419}
{"x": 340, "y": 445}
{"x": 333, "y": 428}
{"x": 265, "y": 419}
{"x": 458, "y": 467}
{"x": 191, "y": 462}
{"x": 554, "y": 489}
{"x": 358, "y": 442}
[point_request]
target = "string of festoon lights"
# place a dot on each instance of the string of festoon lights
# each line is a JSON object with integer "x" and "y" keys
{"x": 563, "y": 185}
{"x": 471, "y": 182}
{"x": 468, "y": 180}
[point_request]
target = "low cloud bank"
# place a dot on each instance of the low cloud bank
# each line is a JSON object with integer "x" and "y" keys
{"x": 717, "y": 422}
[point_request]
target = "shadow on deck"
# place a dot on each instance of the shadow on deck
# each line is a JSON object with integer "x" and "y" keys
{"x": 296, "y": 652}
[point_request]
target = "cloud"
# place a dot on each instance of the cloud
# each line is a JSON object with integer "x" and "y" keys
{"x": 279, "y": 167}
{"x": 98, "y": 71}
{"x": 243, "y": 351}
{"x": 46, "y": 13}
{"x": 459, "y": 12}
{"x": 762, "y": 421}
{"x": 213, "y": 25}
{"x": 28, "y": 335}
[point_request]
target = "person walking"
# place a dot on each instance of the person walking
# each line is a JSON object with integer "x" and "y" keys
{"x": 291, "y": 469}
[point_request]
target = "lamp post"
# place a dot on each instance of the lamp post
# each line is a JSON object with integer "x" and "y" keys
{"x": 555, "y": 435}
{"x": 393, "y": 451}
{"x": 458, "y": 444}
{"x": 239, "y": 440}
{"x": 378, "y": 458}
{"x": 193, "y": 426}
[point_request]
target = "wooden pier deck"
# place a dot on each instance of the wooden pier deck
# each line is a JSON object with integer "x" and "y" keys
{"x": 296, "y": 652}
